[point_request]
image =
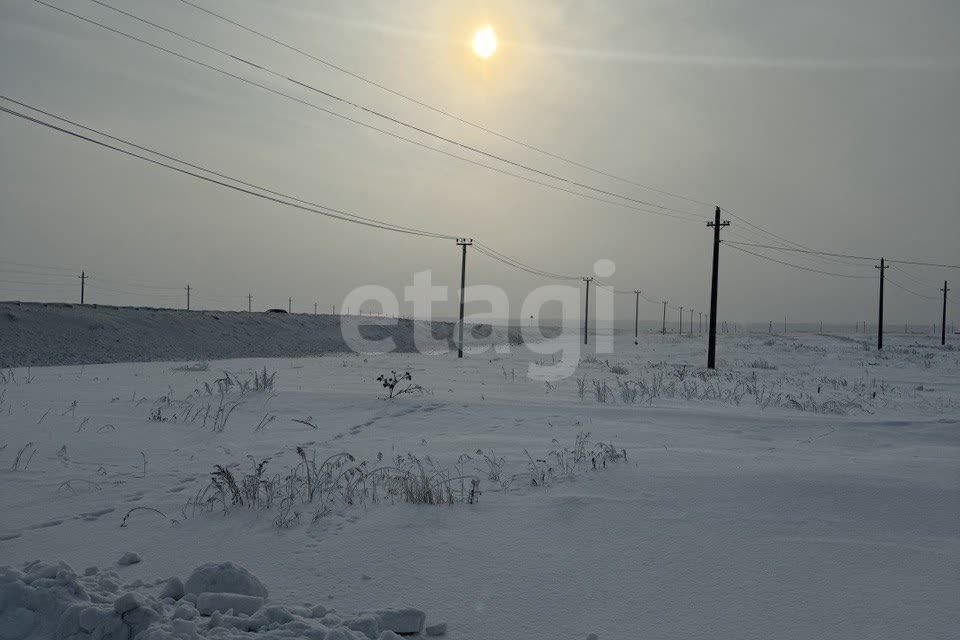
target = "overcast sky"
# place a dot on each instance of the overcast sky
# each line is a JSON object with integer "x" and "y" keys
{"x": 831, "y": 123}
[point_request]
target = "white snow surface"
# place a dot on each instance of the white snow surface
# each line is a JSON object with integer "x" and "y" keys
{"x": 820, "y": 503}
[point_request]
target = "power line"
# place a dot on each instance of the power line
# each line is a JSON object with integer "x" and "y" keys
{"x": 436, "y": 109}
{"x": 822, "y": 253}
{"x": 200, "y": 167}
{"x": 910, "y": 291}
{"x": 317, "y": 209}
{"x": 797, "y": 266}
{"x": 516, "y": 264}
{"x": 667, "y": 211}
{"x": 920, "y": 281}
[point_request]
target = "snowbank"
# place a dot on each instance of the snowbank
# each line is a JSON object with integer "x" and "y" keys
{"x": 46, "y": 601}
{"x": 40, "y": 334}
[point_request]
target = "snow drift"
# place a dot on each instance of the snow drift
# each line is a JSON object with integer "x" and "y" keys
{"x": 46, "y": 601}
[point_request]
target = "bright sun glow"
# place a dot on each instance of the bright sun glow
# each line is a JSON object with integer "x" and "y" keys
{"x": 485, "y": 42}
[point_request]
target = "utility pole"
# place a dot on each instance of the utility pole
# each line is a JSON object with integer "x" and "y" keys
{"x": 700, "y": 326}
{"x": 712, "y": 348}
{"x": 188, "y": 297}
{"x": 586, "y": 308}
{"x": 314, "y": 308}
{"x": 636, "y": 317}
{"x": 680, "y": 329}
{"x": 83, "y": 281}
{"x": 249, "y": 302}
{"x": 289, "y": 305}
{"x": 664, "y": 330}
{"x": 463, "y": 243}
{"x": 943, "y": 323}
{"x": 883, "y": 269}
{"x": 691, "y": 322}
{"x": 784, "y": 325}
{"x": 770, "y": 328}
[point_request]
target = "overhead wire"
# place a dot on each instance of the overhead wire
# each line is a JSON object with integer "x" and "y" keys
{"x": 322, "y": 210}
{"x": 665, "y": 211}
{"x": 436, "y": 109}
{"x": 796, "y": 266}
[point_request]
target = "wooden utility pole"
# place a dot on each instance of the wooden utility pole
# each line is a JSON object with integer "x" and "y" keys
{"x": 314, "y": 308}
{"x": 943, "y": 322}
{"x": 188, "y": 297}
{"x": 586, "y": 308}
{"x": 636, "y": 317}
{"x": 712, "y": 347}
{"x": 664, "y": 330}
{"x": 249, "y": 302}
{"x": 691, "y": 322}
{"x": 83, "y": 281}
{"x": 883, "y": 269}
{"x": 289, "y": 305}
{"x": 680, "y": 329}
{"x": 784, "y": 325}
{"x": 463, "y": 243}
{"x": 700, "y": 326}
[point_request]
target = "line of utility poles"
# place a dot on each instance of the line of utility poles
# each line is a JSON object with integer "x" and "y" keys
{"x": 716, "y": 225}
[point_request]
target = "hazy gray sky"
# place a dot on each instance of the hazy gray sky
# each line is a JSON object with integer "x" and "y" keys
{"x": 833, "y": 124}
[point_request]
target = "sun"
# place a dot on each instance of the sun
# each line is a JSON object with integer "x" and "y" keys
{"x": 485, "y": 42}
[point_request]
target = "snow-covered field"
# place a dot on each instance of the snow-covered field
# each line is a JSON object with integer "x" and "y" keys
{"x": 809, "y": 489}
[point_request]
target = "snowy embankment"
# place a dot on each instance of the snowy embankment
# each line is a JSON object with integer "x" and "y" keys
{"x": 43, "y": 334}
{"x": 806, "y": 489}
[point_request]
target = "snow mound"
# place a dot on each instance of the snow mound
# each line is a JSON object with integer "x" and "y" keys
{"x": 225, "y": 577}
{"x": 46, "y": 601}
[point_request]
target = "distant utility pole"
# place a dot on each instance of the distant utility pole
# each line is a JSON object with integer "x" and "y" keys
{"x": 83, "y": 280}
{"x": 636, "y": 316}
{"x": 333, "y": 309}
{"x": 943, "y": 323}
{"x": 289, "y": 305}
{"x": 314, "y": 308}
{"x": 784, "y": 325}
{"x": 188, "y": 297}
{"x": 700, "y": 326}
{"x": 680, "y": 330}
{"x": 249, "y": 302}
{"x": 463, "y": 243}
{"x": 712, "y": 348}
{"x": 770, "y": 328}
{"x": 883, "y": 269}
{"x": 664, "y": 330}
{"x": 691, "y": 322}
{"x": 586, "y": 308}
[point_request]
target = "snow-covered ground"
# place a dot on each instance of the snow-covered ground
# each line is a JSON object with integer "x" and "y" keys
{"x": 809, "y": 489}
